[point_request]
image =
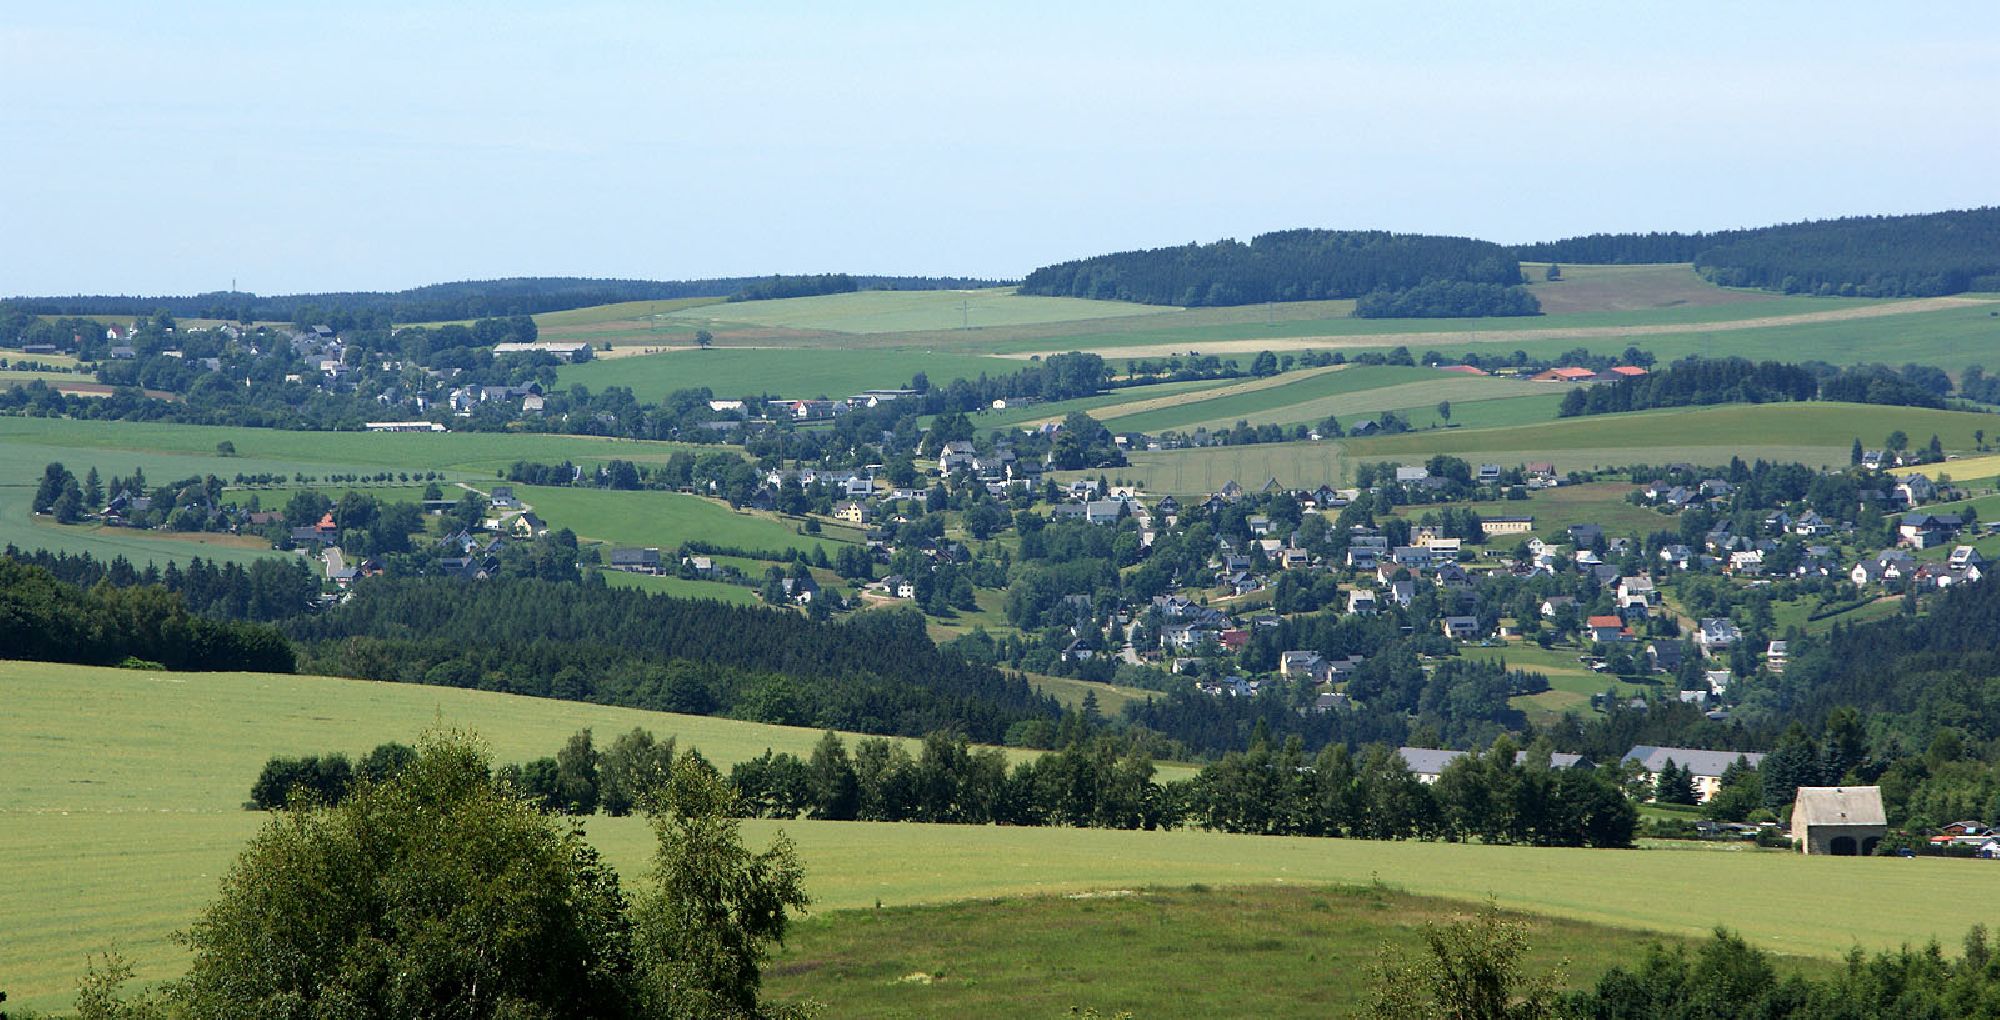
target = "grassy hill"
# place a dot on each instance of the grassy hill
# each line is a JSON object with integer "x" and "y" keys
{"x": 904, "y": 311}
{"x": 1153, "y": 952}
{"x": 119, "y": 809}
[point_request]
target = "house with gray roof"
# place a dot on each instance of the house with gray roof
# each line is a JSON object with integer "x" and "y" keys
{"x": 1707, "y": 766}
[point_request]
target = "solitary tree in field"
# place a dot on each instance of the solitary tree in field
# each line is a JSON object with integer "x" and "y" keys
{"x": 1444, "y": 410}
{"x": 1469, "y": 970}
{"x": 1555, "y": 272}
{"x": 704, "y": 339}
{"x": 440, "y": 893}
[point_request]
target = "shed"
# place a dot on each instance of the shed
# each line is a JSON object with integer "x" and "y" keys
{"x": 1840, "y": 821}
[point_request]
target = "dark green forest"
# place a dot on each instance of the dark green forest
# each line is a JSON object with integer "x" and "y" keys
{"x": 44, "y": 619}
{"x": 1290, "y": 265}
{"x": 1694, "y": 382}
{"x": 1859, "y": 256}
{"x": 440, "y": 302}
{"x": 878, "y": 672}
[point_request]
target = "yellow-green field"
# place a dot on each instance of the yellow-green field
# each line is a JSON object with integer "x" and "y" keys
{"x": 902, "y": 311}
{"x": 1810, "y": 433}
{"x": 120, "y": 792}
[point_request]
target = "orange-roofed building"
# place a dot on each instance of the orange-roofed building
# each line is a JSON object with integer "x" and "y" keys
{"x": 1628, "y": 371}
{"x": 1606, "y": 629}
{"x": 1464, "y": 369}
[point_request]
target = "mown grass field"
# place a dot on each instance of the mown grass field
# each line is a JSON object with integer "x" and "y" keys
{"x": 1204, "y": 470}
{"x": 682, "y": 588}
{"x": 1587, "y": 288}
{"x": 666, "y": 519}
{"x": 731, "y": 372}
{"x": 1269, "y": 402}
{"x": 119, "y": 810}
{"x": 1152, "y": 952}
{"x": 1811, "y": 433}
{"x": 905, "y": 311}
{"x": 1370, "y": 391}
{"x": 1815, "y": 433}
{"x": 84, "y": 880}
{"x": 1340, "y": 330}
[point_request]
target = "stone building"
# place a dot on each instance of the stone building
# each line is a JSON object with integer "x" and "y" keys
{"x": 1840, "y": 821}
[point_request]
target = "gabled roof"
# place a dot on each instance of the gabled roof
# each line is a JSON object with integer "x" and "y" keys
{"x": 1701, "y": 763}
{"x": 1838, "y": 805}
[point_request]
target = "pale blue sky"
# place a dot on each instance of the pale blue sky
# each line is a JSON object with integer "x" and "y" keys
{"x": 154, "y": 148}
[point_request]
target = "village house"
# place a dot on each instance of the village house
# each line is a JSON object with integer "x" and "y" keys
{"x": 1491, "y": 526}
{"x": 1717, "y": 635}
{"x": 636, "y": 561}
{"x": 1460, "y": 628}
{"x": 1427, "y": 764}
{"x": 1706, "y": 766}
{"x": 1606, "y": 629}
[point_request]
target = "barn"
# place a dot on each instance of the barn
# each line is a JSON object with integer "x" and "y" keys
{"x": 1839, "y": 821}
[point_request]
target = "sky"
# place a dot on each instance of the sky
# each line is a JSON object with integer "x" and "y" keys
{"x": 151, "y": 148}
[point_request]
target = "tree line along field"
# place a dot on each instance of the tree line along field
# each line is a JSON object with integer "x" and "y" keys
{"x": 1811, "y": 433}
{"x": 120, "y": 809}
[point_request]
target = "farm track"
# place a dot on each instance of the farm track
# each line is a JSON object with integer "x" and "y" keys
{"x": 1358, "y": 340}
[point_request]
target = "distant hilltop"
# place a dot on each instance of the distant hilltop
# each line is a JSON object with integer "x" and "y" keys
{"x": 1923, "y": 255}
{"x": 475, "y": 299}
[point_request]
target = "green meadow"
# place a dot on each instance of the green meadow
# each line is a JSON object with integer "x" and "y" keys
{"x": 730, "y": 372}
{"x": 666, "y": 519}
{"x": 905, "y": 311}
{"x": 1153, "y": 952}
{"x": 1359, "y": 392}
{"x": 120, "y": 808}
{"x": 682, "y": 588}
{"x": 1342, "y": 330}
{"x": 1814, "y": 433}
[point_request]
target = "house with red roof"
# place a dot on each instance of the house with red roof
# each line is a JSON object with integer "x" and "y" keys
{"x": 1607, "y": 629}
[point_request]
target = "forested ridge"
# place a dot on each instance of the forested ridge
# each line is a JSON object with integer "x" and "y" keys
{"x": 1289, "y": 265}
{"x": 469, "y": 299}
{"x": 878, "y": 672}
{"x": 1862, "y": 256}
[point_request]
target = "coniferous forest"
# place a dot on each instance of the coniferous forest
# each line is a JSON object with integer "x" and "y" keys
{"x": 1696, "y": 382}
{"x": 1290, "y": 265}
{"x": 1859, "y": 256}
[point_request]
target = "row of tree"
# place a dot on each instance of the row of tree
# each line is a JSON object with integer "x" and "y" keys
{"x": 1704, "y": 381}
{"x": 1447, "y": 299}
{"x": 1499, "y": 796}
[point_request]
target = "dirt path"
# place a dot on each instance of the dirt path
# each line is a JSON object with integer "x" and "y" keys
{"x": 1454, "y": 337}
{"x": 1131, "y": 407}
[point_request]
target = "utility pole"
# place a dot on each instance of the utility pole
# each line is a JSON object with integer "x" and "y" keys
{"x": 964, "y": 314}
